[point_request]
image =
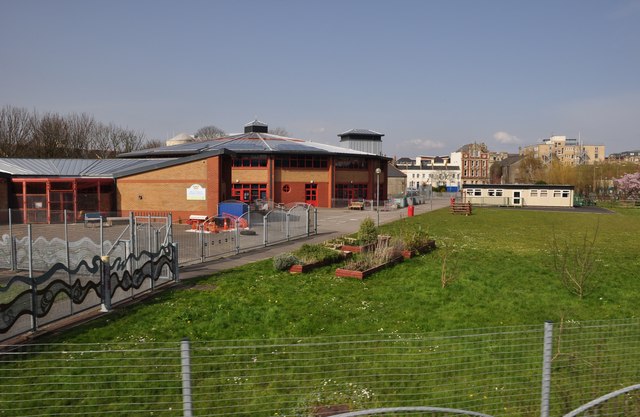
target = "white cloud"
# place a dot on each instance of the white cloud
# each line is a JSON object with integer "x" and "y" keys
{"x": 425, "y": 144}
{"x": 506, "y": 138}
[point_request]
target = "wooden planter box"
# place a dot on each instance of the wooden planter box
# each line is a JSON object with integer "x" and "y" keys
{"x": 298, "y": 269}
{"x": 357, "y": 249}
{"x": 350, "y": 273}
{"x": 431, "y": 245}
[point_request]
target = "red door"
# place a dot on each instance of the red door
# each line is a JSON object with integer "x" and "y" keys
{"x": 311, "y": 194}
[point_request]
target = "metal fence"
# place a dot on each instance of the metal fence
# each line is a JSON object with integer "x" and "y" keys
{"x": 29, "y": 302}
{"x": 40, "y": 246}
{"x": 544, "y": 370}
{"x": 223, "y": 235}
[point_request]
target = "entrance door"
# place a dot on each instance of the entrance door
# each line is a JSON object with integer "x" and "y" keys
{"x": 311, "y": 194}
{"x": 517, "y": 199}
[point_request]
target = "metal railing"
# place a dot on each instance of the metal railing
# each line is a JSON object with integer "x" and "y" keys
{"x": 566, "y": 369}
{"x": 70, "y": 243}
{"x": 28, "y": 302}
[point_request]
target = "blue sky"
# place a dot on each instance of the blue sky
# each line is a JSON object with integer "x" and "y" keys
{"x": 430, "y": 75}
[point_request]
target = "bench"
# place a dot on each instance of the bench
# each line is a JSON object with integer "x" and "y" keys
{"x": 92, "y": 218}
{"x": 461, "y": 208}
{"x": 117, "y": 220}
{"x": 195, "y": 220}
{"x": 356, "y": 205}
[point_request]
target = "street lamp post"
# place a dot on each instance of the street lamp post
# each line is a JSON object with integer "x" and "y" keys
{"x": 378, "y": 171}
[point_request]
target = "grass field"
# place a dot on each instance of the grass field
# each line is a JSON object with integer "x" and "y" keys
{"x": 502, "y": 263}
{"x": 501, "y": 259}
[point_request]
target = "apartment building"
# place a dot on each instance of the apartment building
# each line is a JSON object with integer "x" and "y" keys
{"x": 566, "y": 150}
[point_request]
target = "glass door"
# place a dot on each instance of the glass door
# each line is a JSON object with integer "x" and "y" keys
{"x": 311, "y": 194}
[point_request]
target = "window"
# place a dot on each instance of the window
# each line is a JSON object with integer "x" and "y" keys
{"x": 565, "y": 193}
{"x": 557, "y": 193}
{"x": 350, "y": 191}
{"x": 249, "y": 192}
{"x": 254, "y": 161}
{"x": 301, "y": 161}
{"x": 533, "y": 193}
{"x": 286, "y": 188}
{"x": 474, "y": 192}
{"x": 351, "y": 163}
{"x": 543, "y": 193}
{"x": 495, "y": 193}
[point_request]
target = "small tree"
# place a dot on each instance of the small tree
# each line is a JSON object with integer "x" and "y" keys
{"x": 448, "y": 262}
{"x": 576, "y": 263}
{"x": 368, "y": 232}
{"x": 629, "y": 186}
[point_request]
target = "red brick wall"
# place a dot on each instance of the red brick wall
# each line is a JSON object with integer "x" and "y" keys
{"x": 165, "y": 189}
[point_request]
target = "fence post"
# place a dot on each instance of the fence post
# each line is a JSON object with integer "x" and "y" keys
{"x": 185, "y": 361}
{"x": 315, "y": 221}
{"x": 12, "y": 244}
{"x": 34, "y": 286}
{"x": 176, "y": 262}
{"x": 287, "y": 226}
{"x": 101, "y": 237}
{"x": 307, "y": 230}
{"x": 546, "y": 368}
{"x": 149, "y": 233}
{"x": 66, "y": 245}
{"x": 264, "y": 230}
{"x": 105, "y": 280}
{"x": 201, "y": 240}
{"x": 237, "y": 235}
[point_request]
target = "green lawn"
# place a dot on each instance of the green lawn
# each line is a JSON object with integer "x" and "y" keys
{"x": 501, "y": 259}
{"x": 503, "y": 264}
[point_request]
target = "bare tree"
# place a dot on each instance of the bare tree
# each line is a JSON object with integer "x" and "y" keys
{"x": 280, "y": 131}
{"x": 448, "y": 262}
{"x": 576, "y": 263}
{"x": 152, "y": 143}
{"x": 209, "y": 132}
{"x": 80, "y": 129}
{"x": 16, "y": 127}
{"x": 50, "y": 137}
{"x": 531, "y": 169}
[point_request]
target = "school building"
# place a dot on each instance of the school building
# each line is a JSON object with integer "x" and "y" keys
{"x": 193, "y": 177}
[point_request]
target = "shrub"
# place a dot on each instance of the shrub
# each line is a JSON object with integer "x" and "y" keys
{"x": 315, "y": 253}
{"x": 368, "y": 232}
{"x": 284, "y": 261}
{"x": 414, "y": 239}
{"x": 384, "y": 252}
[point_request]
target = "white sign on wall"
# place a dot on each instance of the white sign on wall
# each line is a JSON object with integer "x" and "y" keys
{"x": 196, "y": 192}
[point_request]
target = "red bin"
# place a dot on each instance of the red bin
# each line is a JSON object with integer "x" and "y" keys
{"x": 410, "y": 211}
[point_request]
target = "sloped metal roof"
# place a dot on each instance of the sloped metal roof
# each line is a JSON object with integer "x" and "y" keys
{"x": 253, "y": 142}
{"x": 360, "y": 132}
{"x": 105, "y": 168}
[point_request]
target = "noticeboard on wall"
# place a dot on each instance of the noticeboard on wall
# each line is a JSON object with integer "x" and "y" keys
{"x": 196, "y": 192}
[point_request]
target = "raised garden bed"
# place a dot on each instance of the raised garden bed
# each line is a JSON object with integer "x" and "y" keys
{"x": 302, "y": 268}
{"x": 408, "y": 254}
{"x": 358, "y": 248}
{"x": 351, "y": 273}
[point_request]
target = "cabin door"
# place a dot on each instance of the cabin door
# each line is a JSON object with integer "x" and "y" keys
{"x": 517, "y": 198}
